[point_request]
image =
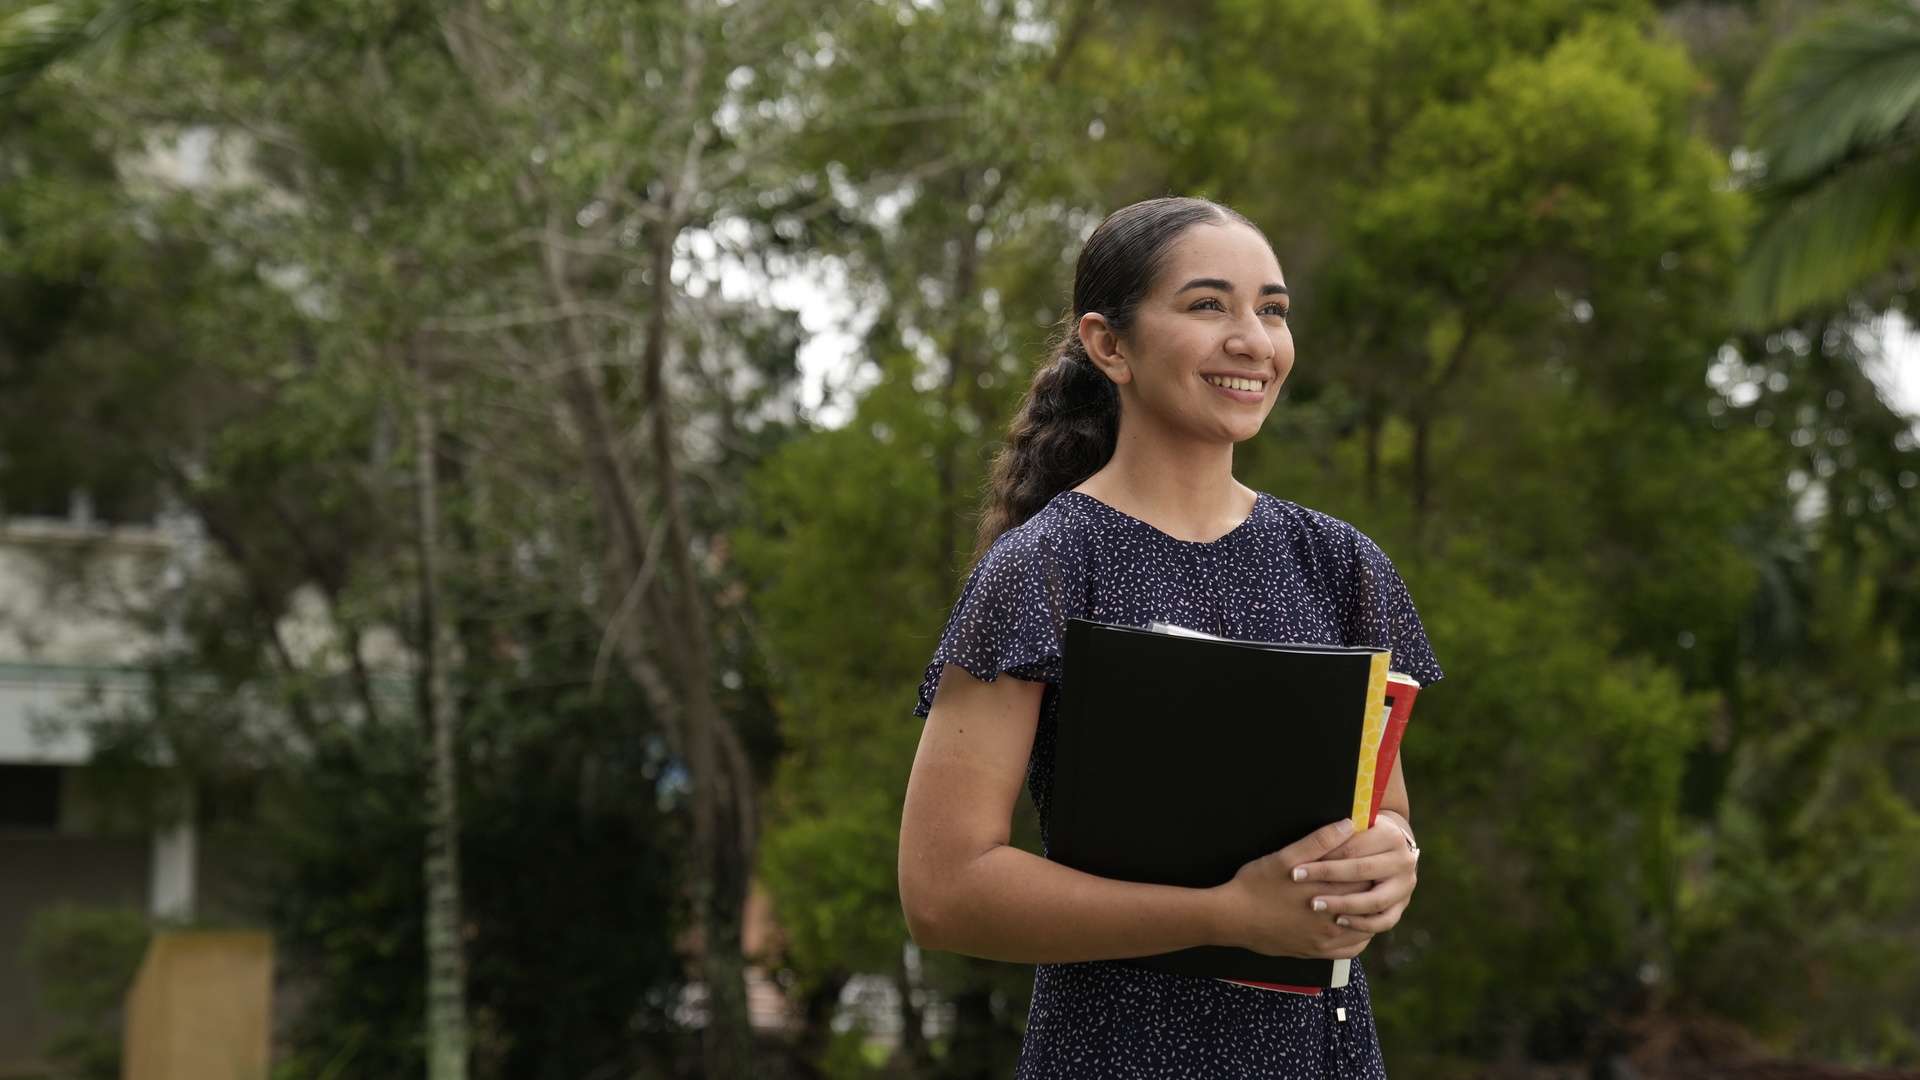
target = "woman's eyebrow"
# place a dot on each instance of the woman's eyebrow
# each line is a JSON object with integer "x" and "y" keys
{"x": 1222, "y": 284}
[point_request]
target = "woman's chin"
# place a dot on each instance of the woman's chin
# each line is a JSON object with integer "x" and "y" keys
{"x": 1248, "y": 424}
{"x": 1238, "y": 432}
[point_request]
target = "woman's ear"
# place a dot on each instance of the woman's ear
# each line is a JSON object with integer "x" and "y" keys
{"x": 1103, "y": 347}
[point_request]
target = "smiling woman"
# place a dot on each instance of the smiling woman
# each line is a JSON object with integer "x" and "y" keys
{"x": 1114, "y": 499}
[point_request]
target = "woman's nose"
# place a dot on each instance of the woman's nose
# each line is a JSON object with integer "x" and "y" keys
{"x": 1249, "y": 338}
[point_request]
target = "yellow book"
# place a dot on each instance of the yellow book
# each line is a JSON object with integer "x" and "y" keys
{"x": 1373, "y": 726}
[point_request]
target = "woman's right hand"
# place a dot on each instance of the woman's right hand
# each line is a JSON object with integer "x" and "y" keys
{"x": 1267, "y": 911}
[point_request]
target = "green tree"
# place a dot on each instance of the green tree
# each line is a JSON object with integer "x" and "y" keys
{"x": 276, "y": 428}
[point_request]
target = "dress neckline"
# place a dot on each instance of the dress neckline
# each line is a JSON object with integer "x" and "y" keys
{"x": 1259, "y": 499}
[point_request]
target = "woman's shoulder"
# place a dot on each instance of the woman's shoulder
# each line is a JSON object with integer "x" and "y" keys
{"x": 1331, "y": 538}
{"x": 1372, "y": 600}
{"x": 1052, "y": 541}
{"x": 1062, "y": 524}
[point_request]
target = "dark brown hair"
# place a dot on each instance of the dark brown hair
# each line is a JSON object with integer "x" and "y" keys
{"x": 1067, "y": 425}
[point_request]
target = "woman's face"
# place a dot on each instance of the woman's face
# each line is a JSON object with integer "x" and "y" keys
{"x": 1217, "y": 311}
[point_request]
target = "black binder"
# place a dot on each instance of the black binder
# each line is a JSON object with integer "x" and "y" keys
{"x": 1179, "y": 759}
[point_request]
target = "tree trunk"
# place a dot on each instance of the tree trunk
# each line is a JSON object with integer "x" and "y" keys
{"x": 1373, "y": 426}
{"x": 1426, "y": 411}
{"x": 723, "y": 796}
{"x": 723, "y": 824}
{"x": 962, "y": 385}
{"x": 914, "y": 1056}
{"x": 446, "y": 963}
{"x": 1422, "y": 424}
{"x": 810, "y": 1043}
{"x": 971, "y": 1048}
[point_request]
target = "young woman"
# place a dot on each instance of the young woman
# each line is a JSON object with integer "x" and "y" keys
{"x": 1114, "y": 499}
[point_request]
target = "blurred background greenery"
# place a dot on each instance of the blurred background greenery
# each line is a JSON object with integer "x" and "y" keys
{"x": 574, "y": 415}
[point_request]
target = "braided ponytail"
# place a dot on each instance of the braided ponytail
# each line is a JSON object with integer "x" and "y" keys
{"x": 1069, "y": 422}
{"x": 1065, "y": 429}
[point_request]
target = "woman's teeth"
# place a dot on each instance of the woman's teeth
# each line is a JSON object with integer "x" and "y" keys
{"x": 1254, "y": 385}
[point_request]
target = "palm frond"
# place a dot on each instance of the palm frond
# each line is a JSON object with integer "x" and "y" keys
{"x": 35, "y": 38}
{"x": 1848, "y": 82}
{"x": 1831, "y": 238}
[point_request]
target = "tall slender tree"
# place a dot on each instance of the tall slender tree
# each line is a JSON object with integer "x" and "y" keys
{"x": 440, "y": 719}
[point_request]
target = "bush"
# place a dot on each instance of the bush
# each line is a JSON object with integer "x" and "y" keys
{"x": 84, "y": 960}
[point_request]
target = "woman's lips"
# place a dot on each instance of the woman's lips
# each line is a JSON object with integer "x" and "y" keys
{"x": 1252, "y": 396}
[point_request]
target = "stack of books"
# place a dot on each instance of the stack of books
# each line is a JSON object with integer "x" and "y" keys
{"x": 1182, "y": 756}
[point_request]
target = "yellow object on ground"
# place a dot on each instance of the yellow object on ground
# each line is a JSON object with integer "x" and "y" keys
{"x": 201, "y": 1007}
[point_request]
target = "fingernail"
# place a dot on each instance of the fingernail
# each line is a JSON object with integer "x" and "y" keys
{"x": 1299, "y": 873}
{"x": 1344, "y": 825}
{"x": 1321, "y": 905}
{"x": 1342, "y": 920}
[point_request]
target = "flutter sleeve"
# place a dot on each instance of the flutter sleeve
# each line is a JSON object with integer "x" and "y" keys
{"x": 1012, "y": 612}
{"x": 1381, "y": 613}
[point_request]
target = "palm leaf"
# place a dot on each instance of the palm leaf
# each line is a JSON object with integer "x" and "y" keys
{"x": 1832, "y": 237}
{"x": 35, "y": 38}
{"x": 1847, "y": 83}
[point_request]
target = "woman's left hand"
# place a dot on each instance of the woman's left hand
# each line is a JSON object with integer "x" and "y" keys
{"x": 1378, "y": 855}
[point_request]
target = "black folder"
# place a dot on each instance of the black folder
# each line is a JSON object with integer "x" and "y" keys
{"x": 1179, "y": 759}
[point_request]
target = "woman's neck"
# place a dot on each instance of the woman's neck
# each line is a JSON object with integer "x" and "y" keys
{"x": 1184, "y": 490}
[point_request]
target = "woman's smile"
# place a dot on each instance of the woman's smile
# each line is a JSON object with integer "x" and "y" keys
{"x": 1235, "y": 387}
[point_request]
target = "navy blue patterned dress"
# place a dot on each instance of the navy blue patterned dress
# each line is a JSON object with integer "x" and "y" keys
{"x": 1286, "y": 573}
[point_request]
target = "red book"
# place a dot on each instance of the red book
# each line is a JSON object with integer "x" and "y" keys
{"x": 1401, "y": 690}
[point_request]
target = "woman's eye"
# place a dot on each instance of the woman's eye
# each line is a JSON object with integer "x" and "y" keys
{"x": 1214, "y": 304}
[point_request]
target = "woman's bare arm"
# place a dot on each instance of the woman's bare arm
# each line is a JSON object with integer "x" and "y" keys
{"x": 1395, "y": 797}
{"x": 965, "y": 889}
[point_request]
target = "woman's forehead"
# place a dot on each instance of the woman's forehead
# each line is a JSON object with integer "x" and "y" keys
{"x": 1231, "y": 252}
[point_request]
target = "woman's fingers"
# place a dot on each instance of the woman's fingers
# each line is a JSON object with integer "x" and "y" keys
{"x": 1376, "y": 924}
{"x": 1314, "y": 845}
{"x": 1389, "y": 876}
{"x": 1366, "y": 868}
{"x": 1369, "y": 841}
{"x": 1385, "y": 894}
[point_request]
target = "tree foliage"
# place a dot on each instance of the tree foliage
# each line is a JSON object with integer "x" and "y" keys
{"x": 1834, "y": 116}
